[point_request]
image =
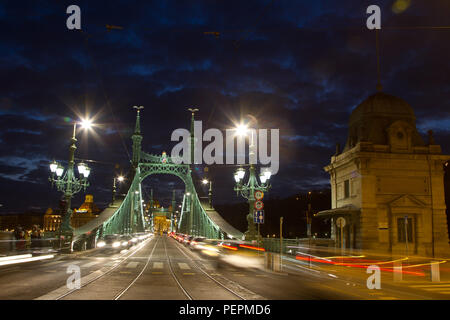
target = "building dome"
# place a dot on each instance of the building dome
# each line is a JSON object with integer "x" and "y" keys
{"x": 370, "y": 120}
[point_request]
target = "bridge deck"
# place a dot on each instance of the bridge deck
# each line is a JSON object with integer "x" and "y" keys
{"x": 94, "y": 223}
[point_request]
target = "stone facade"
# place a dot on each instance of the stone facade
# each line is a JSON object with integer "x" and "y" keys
{"x": 388, "y": 184}
{"x": 85, "y": 213}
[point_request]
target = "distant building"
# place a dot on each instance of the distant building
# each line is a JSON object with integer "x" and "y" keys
{"x": 162, "y": 218}
{"x": 387, "y": 184}
{"x": 52, "y": 220}
{"x": 27, "y": 220}
{"x": 85, "y": 213}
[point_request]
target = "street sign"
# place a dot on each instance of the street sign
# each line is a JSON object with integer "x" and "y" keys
{"x": 259, "y": 205}
{"x": 259, "y": 195}
{"x": 340, "y": 222}
{"x": 258, "y": 217}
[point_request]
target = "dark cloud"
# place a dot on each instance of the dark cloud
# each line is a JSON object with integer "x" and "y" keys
{"x": 300, "y": 66}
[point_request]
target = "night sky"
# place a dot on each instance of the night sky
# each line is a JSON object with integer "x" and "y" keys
{"x": 299, "y": 66}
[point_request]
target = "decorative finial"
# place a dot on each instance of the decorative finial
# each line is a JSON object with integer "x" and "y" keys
{"x": 137, "y": 129}
{"x": 193, "y": 111}
{"x": 138, "y": 108}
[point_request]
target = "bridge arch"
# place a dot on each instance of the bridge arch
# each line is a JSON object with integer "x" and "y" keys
{"x": 197, "y": 217}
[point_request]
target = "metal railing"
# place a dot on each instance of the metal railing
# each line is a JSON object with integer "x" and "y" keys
{"x": 10, "y": 245}
{"x": 273, "y": 244}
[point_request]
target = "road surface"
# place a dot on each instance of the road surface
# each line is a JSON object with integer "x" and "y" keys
{"x": 160, "y": 268}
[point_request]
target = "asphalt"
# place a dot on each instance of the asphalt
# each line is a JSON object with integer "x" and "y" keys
{"x": 163, "y": 269}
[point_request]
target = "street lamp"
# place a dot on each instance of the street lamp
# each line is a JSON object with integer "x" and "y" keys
{"x": 205, "y": 182}
{"x": 66, "y": 181}
{"x": 247, "y": 190}
{"x": 120, "y": 179}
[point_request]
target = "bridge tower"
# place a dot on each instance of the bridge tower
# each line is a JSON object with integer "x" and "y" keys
{"x": 137, "y": 138}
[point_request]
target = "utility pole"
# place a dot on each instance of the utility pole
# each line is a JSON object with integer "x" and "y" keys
{"x": 281, "y": 241}
{"x": 309, "y": 220}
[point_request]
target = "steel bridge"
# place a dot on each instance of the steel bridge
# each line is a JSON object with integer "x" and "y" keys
{"x": 126, "y": 216}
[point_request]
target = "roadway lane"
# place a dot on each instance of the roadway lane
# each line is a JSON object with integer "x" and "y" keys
{"x": 163, "y": 269}
{"x": 172, "y": 275}
{"x": 30, "y": 280}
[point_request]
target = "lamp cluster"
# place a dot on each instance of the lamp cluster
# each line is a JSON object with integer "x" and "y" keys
{"x": 264, "y": 176}
{"x": 62, "y": 180}
{"x": 252, "y": 185}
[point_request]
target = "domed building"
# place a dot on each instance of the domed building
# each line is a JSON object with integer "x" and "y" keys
{"x": 387, "y": 184}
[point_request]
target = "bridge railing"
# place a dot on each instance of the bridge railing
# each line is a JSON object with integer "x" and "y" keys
{"x": 10, "y": 245}
{"x": 128, "y": 217}
{"x": 291, "y": 246}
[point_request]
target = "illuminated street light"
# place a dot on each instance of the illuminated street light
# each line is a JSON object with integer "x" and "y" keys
{"x": 120, "y": 179}
{"x": 205, "y": 182}
{"x": 248, "y": 190}
{"x": 86, "y": 123}
{"x": 241, "y": 130}
{"x": 67, "y": 183}
{"x": 81, "y": 168}
{"x": 59, "y": 171}
{"x": 53, "y": 166}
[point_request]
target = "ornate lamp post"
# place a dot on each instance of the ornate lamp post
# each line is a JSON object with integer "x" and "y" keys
{"x": 205, "y": 182}
{"x": 120, "y": 179}
{"x": 67, "y": 183}
{"x": 248, "y": 190}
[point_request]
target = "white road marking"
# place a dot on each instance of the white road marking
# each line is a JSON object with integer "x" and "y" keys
{"x": 109, "y": 264}
{"x": 132, "y": 265}
{"x": 208, "y": 266}
{"x": 90, "y": 264}
{"x": 52, "y": 263}
{"x": 62, "y": 290}
{"x": 183, "y": 266}
{"x": 158, "y": 265}
{"x": 70, "y": 263}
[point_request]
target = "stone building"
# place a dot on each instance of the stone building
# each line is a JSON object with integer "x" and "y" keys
{"x": 388, "y": 184}
{"x": 85, "y": 213}
{"x": 52, "y": 220}
{"x": 26, "y": 220}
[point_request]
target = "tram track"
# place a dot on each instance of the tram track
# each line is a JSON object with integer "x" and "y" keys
{"x": 209, "y": 275}
{"x": 108, "y": 272}
{"x": 189, "y": 293}
{"x": 118, "y": 296}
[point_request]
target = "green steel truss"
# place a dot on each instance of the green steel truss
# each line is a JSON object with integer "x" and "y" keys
{"x": 129, "y": 216}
